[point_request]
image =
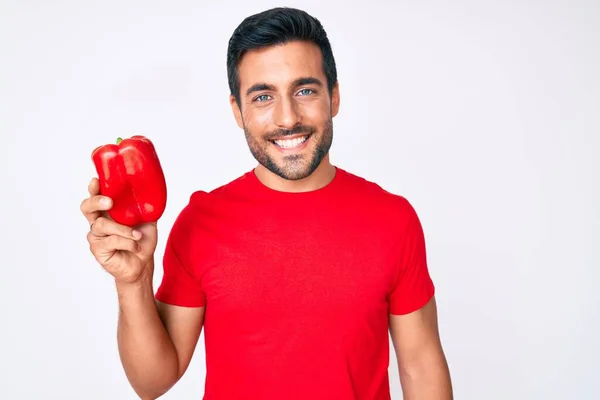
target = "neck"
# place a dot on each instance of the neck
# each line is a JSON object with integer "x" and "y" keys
{"x": 320, "y": 178}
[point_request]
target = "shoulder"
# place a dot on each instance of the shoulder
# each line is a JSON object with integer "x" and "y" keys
{"x": 370, "y": 195}
{"x": 202, "y": 202}
{"x": 229, "y": 191}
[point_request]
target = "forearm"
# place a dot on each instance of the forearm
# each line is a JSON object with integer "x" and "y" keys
{"x": 427, "y": 379}
{"x": 146, "y": 350}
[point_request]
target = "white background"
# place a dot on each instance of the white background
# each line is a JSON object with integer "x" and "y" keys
{"x": 485, "y": 115}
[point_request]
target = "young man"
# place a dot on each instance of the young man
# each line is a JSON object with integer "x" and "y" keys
{"x": 297, "y": 270}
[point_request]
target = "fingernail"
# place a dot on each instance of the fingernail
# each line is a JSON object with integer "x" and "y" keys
{"x": 136, "y": 234}
{"x": 105, "y": 201}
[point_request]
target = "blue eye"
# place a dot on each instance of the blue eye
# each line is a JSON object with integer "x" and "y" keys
{"x": 305, "y": 90}
{"x": 261, "y": 96}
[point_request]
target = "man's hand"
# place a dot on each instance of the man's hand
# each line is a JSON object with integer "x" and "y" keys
{"x": 122, "y": 251}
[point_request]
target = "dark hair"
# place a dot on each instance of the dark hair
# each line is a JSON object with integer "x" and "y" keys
{"x": 273, "y": 27}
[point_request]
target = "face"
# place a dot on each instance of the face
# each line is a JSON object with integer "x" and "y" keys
{"x": 286, "y": 111}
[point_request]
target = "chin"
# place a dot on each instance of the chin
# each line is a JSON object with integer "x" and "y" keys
{"x": 296, "y": 175}
{"x": 291, "y": 171}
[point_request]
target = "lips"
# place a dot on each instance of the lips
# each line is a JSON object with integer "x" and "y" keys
{"x": 290, "y": 143}
{"x": 291, "y": 139}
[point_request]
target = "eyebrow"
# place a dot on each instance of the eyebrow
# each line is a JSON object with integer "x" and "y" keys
{"x": 308, "y": 80}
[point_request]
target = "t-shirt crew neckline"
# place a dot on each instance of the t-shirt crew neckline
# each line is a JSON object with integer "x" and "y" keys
{"x": 262, "y": 189}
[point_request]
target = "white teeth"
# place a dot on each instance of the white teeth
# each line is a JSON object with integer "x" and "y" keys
{"x": 290, "y": 143}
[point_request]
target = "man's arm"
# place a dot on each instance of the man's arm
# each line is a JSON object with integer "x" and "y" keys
{"x": 156, "y": 341}
{"x": 424, "y": 373}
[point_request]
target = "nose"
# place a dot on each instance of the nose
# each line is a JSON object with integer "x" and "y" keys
{"x": 286, "y": 113}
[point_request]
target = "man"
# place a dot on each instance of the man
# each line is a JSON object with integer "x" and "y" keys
{"x": 297, "y": 270}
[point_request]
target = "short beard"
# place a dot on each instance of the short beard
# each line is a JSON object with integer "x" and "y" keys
{"x": 295, "y": 167}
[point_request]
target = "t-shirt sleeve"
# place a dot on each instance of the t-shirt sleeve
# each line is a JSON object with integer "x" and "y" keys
{"x": 413, "y": 286}
{"x": 179, "y": 285}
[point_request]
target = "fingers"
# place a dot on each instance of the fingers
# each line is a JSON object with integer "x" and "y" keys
{"x": 93, "y": 206}
{"x": 94, "y": 187}
{"x": 105, "y": 245}
{"x": 106, "y": 236}
{"x": 103, "y": 226}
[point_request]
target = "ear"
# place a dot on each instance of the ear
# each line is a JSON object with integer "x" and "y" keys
{"x": 237, "y": 113}
{"x": 335, "y": 99}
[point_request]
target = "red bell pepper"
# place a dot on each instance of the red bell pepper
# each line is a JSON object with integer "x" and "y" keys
{"x": 131, "y": 174}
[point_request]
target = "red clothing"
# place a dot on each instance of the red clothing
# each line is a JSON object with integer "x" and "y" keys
{"x": 297, "y": 286}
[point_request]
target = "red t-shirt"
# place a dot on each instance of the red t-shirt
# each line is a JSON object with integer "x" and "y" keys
{"x": 298, "y": 287}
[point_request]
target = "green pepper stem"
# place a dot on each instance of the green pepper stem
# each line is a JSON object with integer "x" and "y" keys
{"x": 119, "y": 140}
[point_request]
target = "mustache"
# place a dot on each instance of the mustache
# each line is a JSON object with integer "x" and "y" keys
{"x": 289, "y": 132}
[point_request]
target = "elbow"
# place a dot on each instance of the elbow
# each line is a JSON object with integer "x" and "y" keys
{"x": 153, "y": 392}
{"x": 428, "y": 374}
{"x": 423, "y": 366}
{"x": 160, "y": 384}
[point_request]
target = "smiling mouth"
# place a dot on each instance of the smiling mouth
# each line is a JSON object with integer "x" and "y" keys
{"x": 292, "y": 143}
